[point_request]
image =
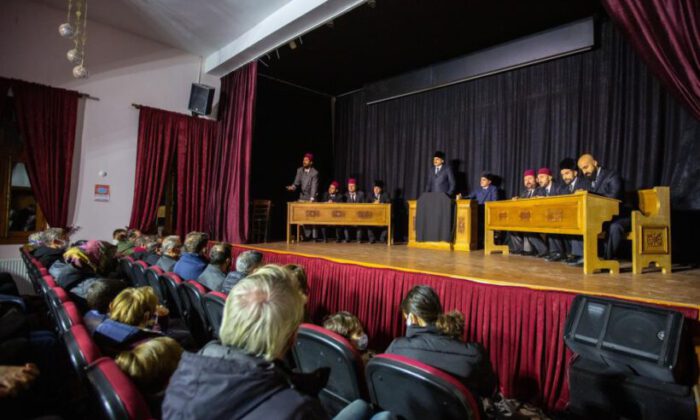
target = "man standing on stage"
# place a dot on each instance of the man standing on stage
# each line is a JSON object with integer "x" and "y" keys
{"x": 306, "y": 181}
{"x": 441, "y": 178}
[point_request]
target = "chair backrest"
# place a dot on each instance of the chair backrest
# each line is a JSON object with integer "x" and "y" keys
{"x": 213, "y": 303}
{"x": 152, "y": 276}
{"x": 260, "y": 220}
{"x": 125, "y": 265}
{"x": 54, "y": 299}
{"x": 67, "y": 316}
{"x": 82, "y": 350}
{"x": 171, "y": 283}
{"x": 410, "y": 389}
{"x": 138, "y": 273}
{"x": 46, "y": 283}
{"x": 317, "y": 347}
{"x": 118, "y": 396}
{"x": 191, "y": 294}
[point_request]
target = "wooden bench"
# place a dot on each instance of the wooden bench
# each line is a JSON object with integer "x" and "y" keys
{"x": 651, "y": 230}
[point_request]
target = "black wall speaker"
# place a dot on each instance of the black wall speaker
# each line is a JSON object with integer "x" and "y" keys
{"x": 201, "y": 98}
{"x": 634, "y": 339}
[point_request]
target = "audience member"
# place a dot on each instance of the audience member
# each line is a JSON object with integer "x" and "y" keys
{"x": 219, "y": 261}
{"x": 150, "y": 365}
{"x": 99, "y": 296}
{"x": 349, "y": 326}
{"x": 192, "y": 262}
{"x": 52, "y": 247}
{"x": 430, "y": 338}
{"x": 84, "y": 264}
{"x": 15, "y": 379}
{"x": 120, "y": 238}
{"x": 150, "y": 246}
{"x": 246, "y": 263}
{"x": 170, "y": 253}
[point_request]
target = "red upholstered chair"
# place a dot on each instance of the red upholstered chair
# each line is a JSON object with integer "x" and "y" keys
{"x": 46, "y": 283}
{"x": 82, "y": 350}
{"x": 317, "y": 347}
{"x": 214, "y": 310}
{"x": 138, "y": 273}
{"x": 171, "y": 283}
{"x": 191, "y": 294}
{"x": 54, "y": 298}
{"x": 67, "y": 316}
{"x": 410, "y": 390}
{"x": 152, "y": 276}
{"x": 118, "y": 397}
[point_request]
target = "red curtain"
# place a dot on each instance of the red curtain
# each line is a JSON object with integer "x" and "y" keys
{"x": 521, "y": 328}
{"x": 47, "y": 118}
{"x": 159, "y": 132}
{"x": 5, "y": 85}
{"x": 666, "y": 34}
{"x": 196, "y": 160}
{"x": 229, "y": 215}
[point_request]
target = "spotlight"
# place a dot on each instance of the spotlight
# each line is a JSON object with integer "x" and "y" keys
{"x": 293, "y": 44}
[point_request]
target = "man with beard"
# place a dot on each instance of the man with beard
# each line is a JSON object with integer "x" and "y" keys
{"x": 608, "y": 183}
{"x": 332, "y": 196}
{"x": 523, "y": 243}
{"x": 306, "y": 181}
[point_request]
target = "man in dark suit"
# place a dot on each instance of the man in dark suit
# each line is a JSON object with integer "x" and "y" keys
{"x": 378, "y": 196}
{"x": 441, "y": 178}
{"x": 608, "y": 183}
{"x": 333, "y": 195}
{"x": 486, "y": 191}
{"x": 567, "y": 248}
{"x": 306, "y": 181}
{"x": 528, "y": 243}
{"x": 353, "y": 196}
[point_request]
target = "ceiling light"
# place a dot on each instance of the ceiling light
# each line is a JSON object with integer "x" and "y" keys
{"x": 293, "y": 44}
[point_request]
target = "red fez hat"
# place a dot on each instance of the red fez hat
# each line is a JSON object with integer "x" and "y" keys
{"x": 352, "y": 181}
{"x": 544, "y": 171}
{"x": 335, "y": 184}
{"x": 309, "y": 155}
{"x": 529, "y": 172}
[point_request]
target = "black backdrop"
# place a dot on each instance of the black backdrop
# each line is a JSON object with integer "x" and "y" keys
{"x": 605, "y": 102}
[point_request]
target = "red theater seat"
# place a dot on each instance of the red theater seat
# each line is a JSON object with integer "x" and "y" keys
{"x": 410, "y": 390}
{"x": 214, "y": 310}
{"x": 152, "y": 276}
{"x": 191, "y": 294}
{"x": 67, "y": 316}
{"x": 118, "y": 397}
{"x": 171, "y": 282}
{"x": 138, "y": 273}
{"x": 82, "y": 350}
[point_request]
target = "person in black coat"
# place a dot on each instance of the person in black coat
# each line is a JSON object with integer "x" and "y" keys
{"x": 522, "y": 243}
{"x": 378, "y": 196}
{"x": 441, "y": 177}
{"x": 333, "y": 195}
{"x": 608, "y": 183}
{"x": 434, "y": 338}
{"x": 353, "y": 196}
{"x": 567, "y": 248}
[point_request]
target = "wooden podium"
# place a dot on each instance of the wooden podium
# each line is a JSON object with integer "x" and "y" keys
{"x": 466, "y": 228}
{"x": 338, "y": 214}
{"x": 580, "y": 213}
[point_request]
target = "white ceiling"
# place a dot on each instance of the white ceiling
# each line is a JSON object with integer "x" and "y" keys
{"x": 226, "y": 33}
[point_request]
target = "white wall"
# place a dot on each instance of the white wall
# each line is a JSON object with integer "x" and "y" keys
{"x": 124, "y": 69}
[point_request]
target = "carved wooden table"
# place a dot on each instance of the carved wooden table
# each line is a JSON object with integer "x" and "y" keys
{"x": 338, "y": 214}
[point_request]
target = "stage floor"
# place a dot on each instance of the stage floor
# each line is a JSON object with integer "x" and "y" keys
{"x": 681, "y": 288}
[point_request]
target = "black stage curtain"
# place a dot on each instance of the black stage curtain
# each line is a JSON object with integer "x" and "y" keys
{"x": 605, "y": 102}
{"x": 289, "y": 121}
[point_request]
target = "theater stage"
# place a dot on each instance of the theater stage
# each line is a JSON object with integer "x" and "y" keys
{"x": 681, "y": 288}
{"x": 515, "y": 306}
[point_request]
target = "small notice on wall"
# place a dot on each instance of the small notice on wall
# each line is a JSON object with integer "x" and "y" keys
{"x": 101, "y": 192}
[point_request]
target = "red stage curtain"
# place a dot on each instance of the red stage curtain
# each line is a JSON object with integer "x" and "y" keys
{"x": 47, "y": 118}
{"x": 521, "y": 328}
{"x": 159, "y": 132}
{"x": 196, "y": 160}
{"x": 229, "y": 214}
{"x": 665, "y": 34}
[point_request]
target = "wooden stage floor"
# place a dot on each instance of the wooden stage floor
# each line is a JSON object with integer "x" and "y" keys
{"x": 681, "y": 288}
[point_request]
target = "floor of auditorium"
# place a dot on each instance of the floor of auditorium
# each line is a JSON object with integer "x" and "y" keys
{"x": 682, "y": 287}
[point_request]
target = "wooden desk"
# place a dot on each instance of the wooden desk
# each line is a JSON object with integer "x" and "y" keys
{"x": 338, "y": 214}
{"x": 580, "y": 213}
{"x": 466, "y": 228}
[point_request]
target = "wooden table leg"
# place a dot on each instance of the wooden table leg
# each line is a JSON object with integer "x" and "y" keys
{"x": 490, "y": 245}
{"x": 591, "y": 262}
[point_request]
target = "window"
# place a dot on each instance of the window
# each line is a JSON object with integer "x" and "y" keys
{"x": 20, "y": 215}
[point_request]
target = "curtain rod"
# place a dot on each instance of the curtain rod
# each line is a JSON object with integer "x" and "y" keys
{"x": 88, "y": 96}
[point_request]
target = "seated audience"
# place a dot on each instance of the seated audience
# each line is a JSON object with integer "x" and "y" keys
{"x": 430, "y": 338}
{"x": 349, "y": 326}
{"x": 298, "y": 276}
{"x": 138, "y": 307}
{"x": 120, "y": 238}
{"x": 150, "y": 246}
{"x": 150, "y": 366}
{"x": 219, "y": 261}
{"x": 99, "y": 296}
{"x": 34, "y": 241}
{"x": 170, "y": 253}
{"x": 84, "y": 264}
{"x": 192, "y": 262}
{"x": 52, "y": 247}
{"x": 246, "y": 263}
{"x": 15, "y": 379}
